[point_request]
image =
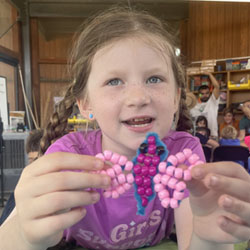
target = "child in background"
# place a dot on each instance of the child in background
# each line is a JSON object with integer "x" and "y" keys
{"x": 229, "y": 119}
{"x": 203, "y": 134}
{"x": 127, "y": 77}
{"x": 229, "y": 136}
{"x": 201, "y": 122}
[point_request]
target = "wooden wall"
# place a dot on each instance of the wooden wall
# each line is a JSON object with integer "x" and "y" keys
{"x": 216, "y": 30}
{"x": 49, "y": 74}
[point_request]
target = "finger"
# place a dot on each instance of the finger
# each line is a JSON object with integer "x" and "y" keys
{"x": 63, "y": 161}
{"x": 51, "y": 225}
{"x": 231, "y": 186}
{"x": 226, "y": 168}
{"x": 238, "y": 231}
{"x": 61, "y": 181}
{"x": 235, "y": 206}
{"x": 60, "y": 201}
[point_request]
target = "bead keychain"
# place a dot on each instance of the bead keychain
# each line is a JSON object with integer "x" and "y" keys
{"x": 151, "y": 172}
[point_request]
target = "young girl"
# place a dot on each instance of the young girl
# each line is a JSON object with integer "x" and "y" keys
{"x": 125, "y": 76}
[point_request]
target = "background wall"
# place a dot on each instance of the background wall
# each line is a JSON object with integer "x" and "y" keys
{"x": 216, "y": 30}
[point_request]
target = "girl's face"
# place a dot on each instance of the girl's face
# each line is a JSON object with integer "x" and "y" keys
{"x": 201, "y": 123}
{"x": 131, "y": 91}
{"x": 228, "y": 118}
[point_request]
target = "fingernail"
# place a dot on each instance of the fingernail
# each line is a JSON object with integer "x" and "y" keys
{"x": 227, "y": 202}
{"x": 214, "y": 180}
{"x": 197, "y": 172}
{"x": 105, "y": 181}
{"x": 95, "y": 197}
{"x": 98, "y": 164}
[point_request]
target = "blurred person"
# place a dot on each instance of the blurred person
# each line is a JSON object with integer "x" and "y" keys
{"x": 245, "y": 121}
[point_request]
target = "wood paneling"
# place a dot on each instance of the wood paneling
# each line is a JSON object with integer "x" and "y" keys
{"x": 218, "y": 30}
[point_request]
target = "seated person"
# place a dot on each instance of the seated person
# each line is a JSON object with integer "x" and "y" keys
{"x": 201, "y": 121}
{"x": 32, "y": 149}
{"x": 229, "y": 136}
{"x": 245, "y": 121}
{"x": 229, "y": 119}
{"x": 203, "y": 134}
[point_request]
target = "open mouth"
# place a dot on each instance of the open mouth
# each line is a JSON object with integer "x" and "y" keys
{"x": 139, "y": 122}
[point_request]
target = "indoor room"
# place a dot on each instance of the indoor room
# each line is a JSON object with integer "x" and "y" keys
{"x": 125, "y": 124}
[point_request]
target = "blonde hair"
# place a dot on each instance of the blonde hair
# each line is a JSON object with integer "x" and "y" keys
{"x": 110, "y": 26}
{"x": 229, "y": 132}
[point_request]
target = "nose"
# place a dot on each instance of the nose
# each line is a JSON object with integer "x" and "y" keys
{"x": 137, "y": 95}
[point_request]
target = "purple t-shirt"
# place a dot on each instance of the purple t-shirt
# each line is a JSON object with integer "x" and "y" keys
{"x": 113, "y": 223}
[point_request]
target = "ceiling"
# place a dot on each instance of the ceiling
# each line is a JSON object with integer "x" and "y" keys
{"x": 61, "y": 17}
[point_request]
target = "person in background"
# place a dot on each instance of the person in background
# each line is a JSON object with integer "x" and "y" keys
{"x": 32, "y": 149}
{"x": 201, "y": 121}
{"x": 126, "y": 76}
{"x": 229, "y": 136}
{"x": 208, "y": 104}
{"x": 245, "y": 121}
{"x": 203, "y": 134}
{"x": 229, "y": 119}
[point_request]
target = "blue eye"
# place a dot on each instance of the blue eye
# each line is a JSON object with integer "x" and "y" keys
{"x": 154, "y": 79}
{"x": 115, "y": 82}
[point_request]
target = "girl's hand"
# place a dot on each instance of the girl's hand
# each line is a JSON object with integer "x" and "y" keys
{"x": 49, "y": 198}
{"x": 220, "y": 202}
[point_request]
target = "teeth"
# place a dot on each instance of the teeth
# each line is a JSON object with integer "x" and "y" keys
{"x": 140, "y": 125}
{"x": 140, "y": 119}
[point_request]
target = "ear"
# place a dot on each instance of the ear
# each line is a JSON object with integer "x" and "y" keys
{"x": 85, "y": 109}
{"x": 177, "y": 99}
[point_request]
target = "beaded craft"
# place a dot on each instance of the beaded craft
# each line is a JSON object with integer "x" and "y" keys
{"x": 152, "y": 172}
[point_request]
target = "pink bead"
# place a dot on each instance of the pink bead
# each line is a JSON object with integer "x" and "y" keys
{"x": 141, "y": 190}
{"x": 151, "y": 140}
{"x": 172, "y": 159}
{"x": 152, "y": 149}
{"x": 114, "y": 183}
{"x": 107, "y": 194}
{"x": 144, "y": 170}
{"x": 178, "y": 195}
{"x": 181, "y": 157}
{"x": 121, "y": 190}
{"x": 117, "y": 168}
{"x": 193, "y": 158}
{"x": 111, "y": 172}
{"x": 187, "y": 175}
{"x": 152, "y": 171}
{"x": 144, "y": 201}
{"x": 100, "y": 156}
{"x": 162, "y": 167}
{"x": 121, "y": 178}
{"x": 170, "y": 170}
{"x": 165, "y": 179}
{"x": 157, "y": 178}
{"x": 158, "y": 187}
{"x": 178, "y": 173}
{"x": 173, "y": 203}
{"x": 127, "y": 186}
{"x": 148, "y": 191}
{"x": 115, "y": 194}
{"x": 130, "y": 178}
{"x": 147, "y": 181}
{"x": 108, "y": 154}
{"x": 180, "y": 186}
{"x": 199, "y": 162}
{"x": 163, "y": 194}
{"x": 140, "y": 158}
{"x": 129, "y": 165}
{"x": 138, "y": 180}
{"x": 155, "y": 160}
{"x": 172, "y": 183}
{"x": 147, "y": 160}
{"x": 115, "y": 158}
{"x": 165, "y": 202}
{"x": 187, "y": 152}
{"x": 137, "y": 169}
{"x": 122, "y": 161}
